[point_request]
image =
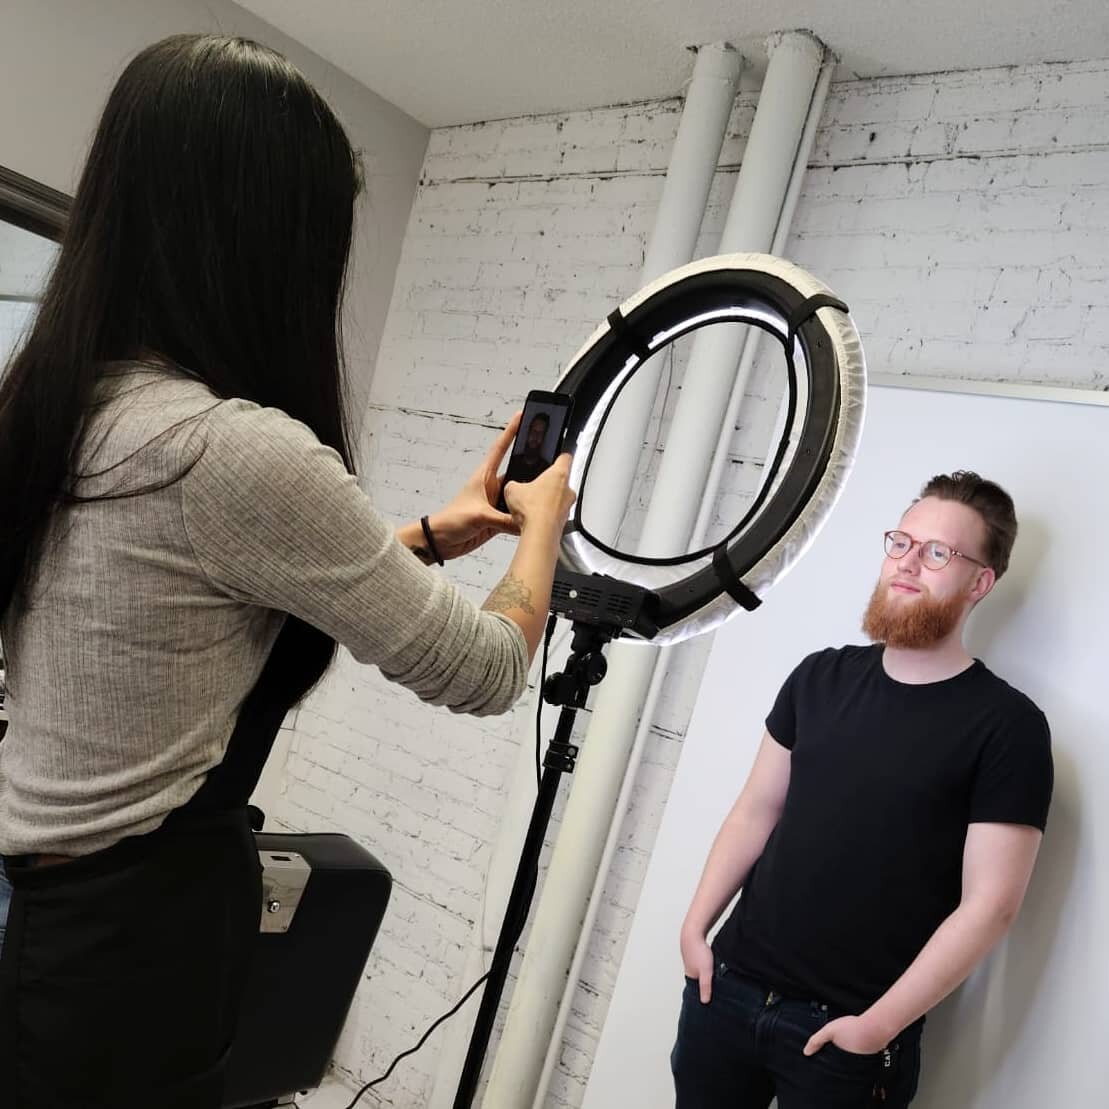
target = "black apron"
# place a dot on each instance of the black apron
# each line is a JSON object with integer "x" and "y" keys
{"x": 122, "y": 972}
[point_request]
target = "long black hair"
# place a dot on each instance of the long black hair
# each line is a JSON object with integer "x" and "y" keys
{"x": 210, "y": 230}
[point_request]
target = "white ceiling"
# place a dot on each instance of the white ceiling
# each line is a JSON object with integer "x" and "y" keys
{"x": 462, "y": 61}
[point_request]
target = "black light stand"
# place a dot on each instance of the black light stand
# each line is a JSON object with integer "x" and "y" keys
{"x": 600, "y": 609}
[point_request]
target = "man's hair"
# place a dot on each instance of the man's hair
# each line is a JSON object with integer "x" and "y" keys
{"x": 539, "y": 416}
{"x": 993, "y": 505}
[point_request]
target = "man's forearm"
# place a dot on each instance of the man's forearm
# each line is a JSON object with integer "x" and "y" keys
{"x": 946, "y": 960}
{"x": 737, "y": 847}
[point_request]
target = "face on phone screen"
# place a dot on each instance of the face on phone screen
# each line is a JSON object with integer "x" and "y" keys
{"x": 539, "y": 440}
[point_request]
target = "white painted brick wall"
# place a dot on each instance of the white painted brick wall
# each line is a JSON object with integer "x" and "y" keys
{"x": 964, "y": 217}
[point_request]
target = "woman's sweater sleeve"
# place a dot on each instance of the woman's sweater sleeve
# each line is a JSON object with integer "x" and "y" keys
{"x": 274, "y": 519}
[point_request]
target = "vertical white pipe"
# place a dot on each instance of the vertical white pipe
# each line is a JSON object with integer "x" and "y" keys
{"x": 750, "y": 350}
{"x": 752, "y": 220}
{"x": 708, "y": 107}
{"x": 705, "y": 114}
{"x": 498, "y": 883}
{"x": 693, "y": 158}
{"x": 700, "y": 531}
{"x": 554, "y": 1049}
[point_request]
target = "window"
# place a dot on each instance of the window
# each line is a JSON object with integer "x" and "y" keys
{"x": 32, "y": 217}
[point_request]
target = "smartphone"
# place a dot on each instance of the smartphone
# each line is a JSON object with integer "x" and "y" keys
{"x": 539, "y": 441}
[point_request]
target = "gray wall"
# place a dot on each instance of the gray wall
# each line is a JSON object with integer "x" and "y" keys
{"x": 59, "y": 59}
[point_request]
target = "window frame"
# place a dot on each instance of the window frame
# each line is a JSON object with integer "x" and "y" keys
{"x": 32, "y": 206}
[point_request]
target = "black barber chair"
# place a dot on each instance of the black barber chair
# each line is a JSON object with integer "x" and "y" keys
{"x": 323, "y": 900}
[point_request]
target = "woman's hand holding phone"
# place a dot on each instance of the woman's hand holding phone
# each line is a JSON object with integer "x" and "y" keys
{"x": 537, "y": 513}
{"x": 539, "y": 508}
{"x": 544, "y": 502}
{"x": 471, "y": 518}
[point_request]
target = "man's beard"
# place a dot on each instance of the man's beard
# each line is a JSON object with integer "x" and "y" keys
{"x": 920, "y": 623}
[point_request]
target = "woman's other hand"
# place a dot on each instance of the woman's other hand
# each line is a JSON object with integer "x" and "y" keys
{"x": 472, "y": 517}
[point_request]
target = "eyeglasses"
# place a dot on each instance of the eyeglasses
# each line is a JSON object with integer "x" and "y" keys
{"x": 934, "y": 553}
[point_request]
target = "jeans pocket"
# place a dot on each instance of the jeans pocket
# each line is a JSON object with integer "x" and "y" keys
{"x": 849, "y": 1065}
{"x": 852, "y": 1056}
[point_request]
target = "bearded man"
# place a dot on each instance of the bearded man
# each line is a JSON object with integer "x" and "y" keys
{"x": 883, "y": 841}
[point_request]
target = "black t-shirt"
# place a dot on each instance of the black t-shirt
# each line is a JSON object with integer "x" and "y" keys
{"x": 866, "y": 860}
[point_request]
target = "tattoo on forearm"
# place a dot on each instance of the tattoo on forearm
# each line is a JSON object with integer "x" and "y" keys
{"x": 424, "y": 555}
{"x": 511, "y": 593}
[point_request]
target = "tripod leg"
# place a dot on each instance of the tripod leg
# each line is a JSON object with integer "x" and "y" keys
{"x": 519, "y": 902}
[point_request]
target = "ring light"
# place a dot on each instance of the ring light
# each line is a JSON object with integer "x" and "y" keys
{"x": 699, "y": 591}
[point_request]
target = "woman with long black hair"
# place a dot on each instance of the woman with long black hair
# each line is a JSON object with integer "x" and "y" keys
{"x": 184, "y": 544}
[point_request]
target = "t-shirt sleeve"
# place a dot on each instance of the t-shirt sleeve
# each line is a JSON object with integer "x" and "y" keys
{"x": 1015, "y": 774}
{"x": 274, "y": 519}
{"x": 782, "y": 721}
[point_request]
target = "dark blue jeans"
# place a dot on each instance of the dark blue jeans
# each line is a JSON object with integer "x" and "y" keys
{"x": 745, "y": 1046}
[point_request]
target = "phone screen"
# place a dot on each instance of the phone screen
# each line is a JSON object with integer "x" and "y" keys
{"x": 539, "y": 440}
